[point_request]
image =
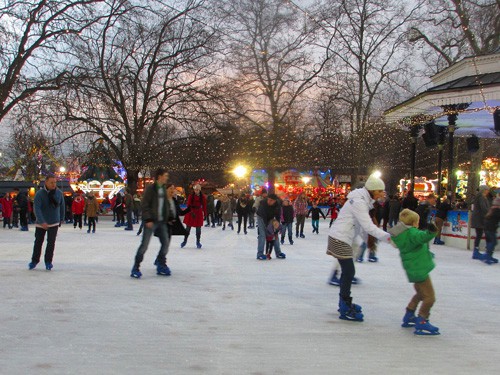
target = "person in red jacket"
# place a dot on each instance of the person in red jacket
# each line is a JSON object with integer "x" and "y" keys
{"x": 7, "y": 210}
{"x": 197, "y": 210}
{"x": 78, "y": 207}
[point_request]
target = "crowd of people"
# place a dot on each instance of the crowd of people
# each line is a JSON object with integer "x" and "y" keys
{"x": 357, "y": 222}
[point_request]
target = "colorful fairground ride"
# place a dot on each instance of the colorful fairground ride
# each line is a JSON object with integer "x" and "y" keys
{"x": 317, "y": 185}
{"x": 99, "y": 177}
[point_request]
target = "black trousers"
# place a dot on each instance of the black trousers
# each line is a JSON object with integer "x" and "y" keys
{"x": 348, "y": 272}
{"x": 77, "y": 220}
{"x": 244, "y": 217}
{"x": 51, "y": 242}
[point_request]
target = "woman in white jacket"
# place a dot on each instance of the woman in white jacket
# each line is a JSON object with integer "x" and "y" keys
{"x": 354, "y": 220}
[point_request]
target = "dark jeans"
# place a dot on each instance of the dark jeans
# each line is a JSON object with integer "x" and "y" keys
{"x": 160, "y": 229}
{"x": 51, "y": 242}
{"x": 244, "y": 217}
{"x": 129, "y": 219}
{"x": 477, "y": 240}
{"x": 23, "y": 218}
{"x": 287, "y": 227}
{"x": 77, "y": 220}
{"x": 491, "y": 241}
{"x": 348, "y": 272}
{"x": 91, "y": 221}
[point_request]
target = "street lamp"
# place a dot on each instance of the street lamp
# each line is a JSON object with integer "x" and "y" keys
{"x": 377, "y": 174}
{"x": 239, "y": 172}
{"x": 61, "y": 171}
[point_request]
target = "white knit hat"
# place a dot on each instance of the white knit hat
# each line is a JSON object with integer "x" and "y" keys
{"x": 374, "y": 183}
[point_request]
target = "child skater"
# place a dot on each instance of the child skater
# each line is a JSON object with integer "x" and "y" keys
{"x": 315, "y": 211}
{"x": 272, "y": 232}
{"x": 413, "y": 245}
{"x": 333, "y": 211}
{"x": 490, "y": 230}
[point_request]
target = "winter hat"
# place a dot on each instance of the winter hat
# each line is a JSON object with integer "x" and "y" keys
{"x": 483, "y": 188}
{"x": 374, "y": 183}
{"x": 273, "y": 197}
{"x": 496, "y": 202}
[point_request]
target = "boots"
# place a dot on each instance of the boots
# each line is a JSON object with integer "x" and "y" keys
{"x": 477, "y": 255}
{"x": 350, "y": 311}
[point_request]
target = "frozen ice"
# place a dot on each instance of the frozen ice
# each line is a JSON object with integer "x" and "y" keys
{"x": 224, "y": 312}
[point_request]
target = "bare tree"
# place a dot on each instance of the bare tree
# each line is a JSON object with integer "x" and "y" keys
{"x": 369, "y": 56}
{"x": 34, "y": 41}
{"x": 138, "y": 78}
{"x": 453, "y": 29}
{"x": 274, "y": 61}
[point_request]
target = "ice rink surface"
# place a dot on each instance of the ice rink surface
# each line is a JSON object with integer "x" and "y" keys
{"x": 224, "y": 312}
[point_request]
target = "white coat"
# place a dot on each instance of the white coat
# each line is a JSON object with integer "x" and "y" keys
{"x": 354, "y": 219}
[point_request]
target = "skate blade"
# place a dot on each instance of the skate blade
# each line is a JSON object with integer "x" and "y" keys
{"x": 350, "y": 319}
{"x": 406, "y": 325}
{"x": 426, "y": 333}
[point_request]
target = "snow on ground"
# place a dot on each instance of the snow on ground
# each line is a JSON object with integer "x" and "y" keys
{"x": 224, "y": 312}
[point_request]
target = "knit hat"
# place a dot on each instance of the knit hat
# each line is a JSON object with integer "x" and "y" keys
{"x": 273, "y": 197}
{"x": 496, "y": 202}
{"x": 374, "y": 183}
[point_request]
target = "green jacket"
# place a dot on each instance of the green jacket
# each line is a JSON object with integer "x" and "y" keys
{"x": 413, "y": 245}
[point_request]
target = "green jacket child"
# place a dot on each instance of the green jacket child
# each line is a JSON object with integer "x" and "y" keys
{"x": 413, "y": 245}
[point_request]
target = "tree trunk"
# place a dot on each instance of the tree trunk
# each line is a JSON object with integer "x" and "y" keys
{"x": 132, "y": 180}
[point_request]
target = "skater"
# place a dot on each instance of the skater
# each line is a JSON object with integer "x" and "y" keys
{"x": 129, "y": 206}
{"x": 242, "y": 209}
{"x": 197, "y": 205}
{"x": 287, "y": 216}
{"x": 490, "y": 230}
{"x": 210, "y": 211}
{"x": 333, "y": 211}
{"x": 78, "y": 207}
{"x": 226, "y": 212}
{"x": 251, "y": 213}
{"x": 7, "y": 210}
{"x": 49, "y": 213}
{"x": 315, "y": 211}
{"x": 91, "y": 210}
{"x": 480, "y": 208}
{"x": 441, "y": 215}
{"x": 22, "y": 203}
{"x": 370, "y": 242}
{"x": 300, "y": 209}
{"x": 156, "y": 214}
{"x": 272, "y": 232}
{"x": 119, "y": 209}
{"x": 268, "y": 209}
{"x": 423, "y": 210}
{"x": 174, "y": 224}
{"x": 413, "y": 245}
{"x": 353, "y": 219}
